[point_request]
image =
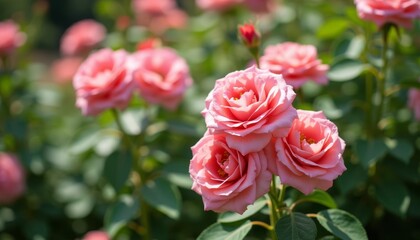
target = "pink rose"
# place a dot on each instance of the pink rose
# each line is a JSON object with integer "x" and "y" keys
{"x": 63, "y": 70}
{"x": 400, "y": 12}
{"x": 82, "y": 37}
{"x": 310, "y": 156}
{"x": 226, "y": 179}
{"x": 96, "y": 235}
{"x": 12, "y": 179}
{"x": 162, "y": 76}
{"x": 297, "y": 63}
{"x": 217, "y": 5}
{"x": 10, "y": 38}
{"x": 103, "y": 81}
{"x": 160, "y": 15}
{"x": 250, "y": 106}
{"x": 260, "y": 6}
{"x": 414, "y": 102}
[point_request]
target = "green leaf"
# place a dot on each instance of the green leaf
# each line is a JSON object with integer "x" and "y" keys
{"x": 333, "y": 28}
{"x": 353, "y": 177}
{"x": 345, "y": 69}
{"x": 371, "y": 151}
{"x": 342, "y": 224}
{"x": 401, "y": 149}
{"x": 226, "y": 231}
{"x": 410, "y": 84}
{"x": 296, "y": 226}
{"x": 117, "y": 169}
{"x": 350, "y": 47}
{"x": 177, "y": 173}
{"x": 133, "y": 121}
{"x": 393, "y": 195}
{"x": 163, "y": 196}
{"x": 120, "y": 213}
{"x": 227, "y": 217}
{"x": 320, "y": 197}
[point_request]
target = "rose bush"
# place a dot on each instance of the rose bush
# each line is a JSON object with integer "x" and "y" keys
{"x": 12, "y": 178}
{"x": 162, "y": 76}
{"x": 296, "y": 62}
{"x": 250, "y": 106}
{"x": 103, "y": 81}
{"x": 311, "y": 155}
{"x": 225, "y": 178}
{"x": 400, "y": 12}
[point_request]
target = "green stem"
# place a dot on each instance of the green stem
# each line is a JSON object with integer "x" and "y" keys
{"x": 383, "y": 75}
{"x": 368, "y": 110}
{"x": 282, "y": 196}
{"x": 274, "y": 217}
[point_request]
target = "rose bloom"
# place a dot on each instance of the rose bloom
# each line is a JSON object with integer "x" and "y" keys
{"x": 82, "y": 37}
{"x": 226, "y": 179}
{"x": 153, "y": 6}
{"x": 414, "y": 102}
{"x": 103, "y": 81}
{"x": 10, "y": 38}
{"x": 311, "y": 155}
{"x": 218, "y": 5}
{"x": 297, "y": 63}
{"x": 63, "y": 70}
{"x": 162, "y": 76}
{"x": 96, "y": 235}
{"x": 400, "y": 12}
{"x": 12, "y": 179}
{"x": 250, "y": 106}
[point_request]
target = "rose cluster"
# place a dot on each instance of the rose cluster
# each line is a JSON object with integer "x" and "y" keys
{"x": 254, "y": 132}
{"x": 107, "y": 79}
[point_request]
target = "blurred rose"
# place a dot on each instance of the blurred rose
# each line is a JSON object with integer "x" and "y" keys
{"x": 400, "y": 12}
{"x": 414, "y": 102}
{"x": 96, "y": 235}
{"x": 103, "y": 81}
{"x": 10, "y": 37}
{"x": 250, "y": 106}
{"x": 12, "y": 179}
{"x": 160, "y": 15}
{"x": 63, "y": 70}
{"x": 226, "y": 179}
{"x": 162, "y": 76}
{"x": 82, "y": 37}
{"x": 311, "y": 155}
{"x": 217, "y": 5}
{"x": 149, "y": 43}
{"x": 297, "y": 63}
{"x": 260, "y": 6}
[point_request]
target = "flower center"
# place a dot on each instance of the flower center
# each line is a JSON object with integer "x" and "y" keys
{"x": 308, "y": 140}
{"x": 223, "y": 162}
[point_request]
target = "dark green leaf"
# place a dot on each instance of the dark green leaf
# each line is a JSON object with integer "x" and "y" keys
{"x": 345, "y": 69}
{"x": 393, "y": 195}
{"x": 401, "y": 149}
{"x": 133, "y": 121}
{"x": 342, "y": 224}
{"x": 120, "y": 213}
{"x": 163, "y": 196}
{"x": 320, "y": 197}
{"x": 353, "y": 177}
{"x": 351, "y": 47}
{"x": 234, "y": 217}
{"x": 296, "y": 226}
{"x": 371, "y": 151}
{"x": 226, "y": 231}
{"x": 117, "y": 169}
{"x": 177, "y": 173}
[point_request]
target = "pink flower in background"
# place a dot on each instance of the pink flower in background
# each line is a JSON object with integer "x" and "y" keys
{"x": 96, "y": 235}
{"x": 149, "y": 43}
{"x": 160, "y": 15}
{"x": 82, "y": 37}
{"x": 10, "y": 37}
{"x": 162, "y": 76}
{"x": 250, "y": 106}
{"x": 226, "y": 179}
{"x": 217, "y": 5}
{"x": 103, "y": 81}
{"x": 311, "y": 155}
{"x": 63, "y": 70}
{"x": 12, "y": 179}
{"x": 400, "y": 12}
{"x": 260, "y": 6}
{"x": 297, "y": 63}
{"x": 414, "y": 102}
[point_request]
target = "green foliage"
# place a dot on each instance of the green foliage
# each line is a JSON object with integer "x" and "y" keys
{"x": 342, "y": 224}
{"x": 227, "y": 231}
{"x": 228, "y": 217}
{"x": 296, "y": 226}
